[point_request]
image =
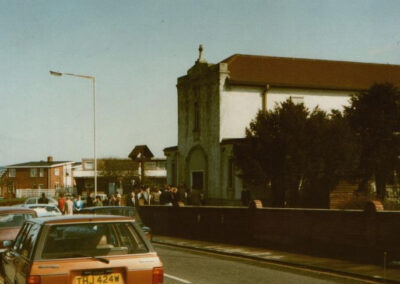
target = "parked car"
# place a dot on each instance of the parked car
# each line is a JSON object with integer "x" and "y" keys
{"x": 81, "y": 249}
{"x": 127, "y": 211}
{"x": 34, "y": 200}
{"x": 44, "y": 210}
{"x": 11, "y": 220}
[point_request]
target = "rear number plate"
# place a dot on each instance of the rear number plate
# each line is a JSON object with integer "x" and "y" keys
{"x": 112, "y": 278}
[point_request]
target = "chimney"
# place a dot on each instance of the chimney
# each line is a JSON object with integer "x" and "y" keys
{"x": 50, "y": 159}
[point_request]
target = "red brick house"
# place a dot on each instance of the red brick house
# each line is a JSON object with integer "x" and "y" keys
{"x": 48, "y": 174}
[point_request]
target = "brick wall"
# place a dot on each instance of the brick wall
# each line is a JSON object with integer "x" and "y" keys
{"x": 339, "y": 233}
{"x": 23, "y": 179}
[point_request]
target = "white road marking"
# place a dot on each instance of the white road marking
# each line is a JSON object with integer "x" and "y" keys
{"x": 177, "y": 279}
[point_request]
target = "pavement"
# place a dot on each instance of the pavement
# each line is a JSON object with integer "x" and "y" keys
{"x": 361, "y": 271}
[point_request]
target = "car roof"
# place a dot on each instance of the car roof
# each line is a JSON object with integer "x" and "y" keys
{"x": 37, "y": 198}
{"x": 107, "y": 207}
{"x": 40, "y": 204}
{"x": 78, "y": 219}
{"x": 12, "y": 209}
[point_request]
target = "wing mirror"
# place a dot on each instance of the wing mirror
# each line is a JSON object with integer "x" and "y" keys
{"x": 8, "y": 243}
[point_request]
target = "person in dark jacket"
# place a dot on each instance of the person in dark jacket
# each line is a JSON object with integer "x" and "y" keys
{"x": 165, "y": 197}
{"x": 43, "y": 199}
{"x": 131, "y": 199}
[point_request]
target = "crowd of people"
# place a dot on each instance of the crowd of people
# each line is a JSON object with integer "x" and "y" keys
{"x": 144, "y": 195}
{"x": 169, "y": 196}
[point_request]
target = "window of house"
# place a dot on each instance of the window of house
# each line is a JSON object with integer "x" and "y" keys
{"x": 56, "y": 172}
{"x": 57, "y": 185}
{"x": 11, "y": 188}
{"x": 40, "y": 186}
{"x": 89, "y": 165}
{"x": 161, "y": 164}
{"x": 150, "y": 165}
{"x": 11, "y": 173}
{"x": 41, "y": 172}
{"x": 33, "y": 172}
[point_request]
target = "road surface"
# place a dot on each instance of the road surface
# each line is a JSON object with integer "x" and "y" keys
{"x": 188, "y": 266}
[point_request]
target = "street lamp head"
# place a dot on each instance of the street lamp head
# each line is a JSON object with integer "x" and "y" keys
{"x": 59, "y": 74}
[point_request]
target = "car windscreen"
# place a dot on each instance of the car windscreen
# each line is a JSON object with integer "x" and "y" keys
{"x": 13, "y": 219}
{"x": 45, "y": 208}
{"x": 92, "y": 239}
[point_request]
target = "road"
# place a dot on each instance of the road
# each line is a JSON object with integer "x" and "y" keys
{"x": 187, "y": 266}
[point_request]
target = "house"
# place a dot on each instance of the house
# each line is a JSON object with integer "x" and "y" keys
{"x": 151, "y": 170}
{"x": 216, "y": 102}
{"x": 120, "y": 175}
{"x": 31, "y": 178}
{"x": 3, "y": 182}
{"x": 113, "y": 175}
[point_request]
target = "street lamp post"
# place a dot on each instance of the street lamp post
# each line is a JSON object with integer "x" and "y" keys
{"x": 59, "y": 74}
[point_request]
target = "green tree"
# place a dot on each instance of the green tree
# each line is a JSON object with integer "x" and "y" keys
{"x": 374, "y": 116}
{"x": 301, "y": 154}
{"x": 332, "y": 155}
{"x": 273, "y": 151}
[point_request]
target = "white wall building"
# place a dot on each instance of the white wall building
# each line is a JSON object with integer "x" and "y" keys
{"x": 216, "y": 102}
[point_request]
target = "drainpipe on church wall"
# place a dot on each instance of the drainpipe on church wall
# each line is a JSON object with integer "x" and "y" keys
{"x": 264, "y": 98}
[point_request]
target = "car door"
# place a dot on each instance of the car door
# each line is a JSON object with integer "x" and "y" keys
{"x": 11, "y": 257}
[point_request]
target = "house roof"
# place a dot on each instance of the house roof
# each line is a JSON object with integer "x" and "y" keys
{"x": 2, "y": 171}
{"x": 308, "y": 73}
{"x": 40, "y": 164}
{"x": 141, "y": 152}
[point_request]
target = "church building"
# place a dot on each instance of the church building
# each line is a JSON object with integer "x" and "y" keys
{"x": 216, "y": 102}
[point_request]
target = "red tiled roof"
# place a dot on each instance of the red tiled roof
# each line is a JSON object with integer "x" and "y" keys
{"x": 308, "y": 73}
{"x": 40, "y": 164}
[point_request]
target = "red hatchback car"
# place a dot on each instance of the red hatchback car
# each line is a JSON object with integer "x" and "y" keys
{"x": 81, "y": 249}
{"x": 11, "y": 220}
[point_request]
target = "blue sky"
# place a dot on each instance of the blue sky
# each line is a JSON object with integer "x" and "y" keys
{"x": 137, "y": 49}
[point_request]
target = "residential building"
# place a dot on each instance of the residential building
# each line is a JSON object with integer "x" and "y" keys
{"x": 31, "y": 177}
{"x": 3, "y": 182}
{"x": 120, "y": 175}
{"x": 216, "y": 102}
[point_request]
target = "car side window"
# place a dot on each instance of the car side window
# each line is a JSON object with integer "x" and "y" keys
{"x": 31, "y": 201}
{"x": 130, "y": 239}
{"x": 21, "y": 237}
{"x": 30, "y": 240}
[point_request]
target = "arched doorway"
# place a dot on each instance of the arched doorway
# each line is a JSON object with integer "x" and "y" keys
{"x": 197, "y": 173}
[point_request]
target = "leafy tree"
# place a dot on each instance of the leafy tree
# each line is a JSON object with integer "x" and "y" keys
{"x": 273, "y": 151}
{"x": 374, "y": 116}
{"x": 301, "y": 154}
{"x": 332, "y": 154}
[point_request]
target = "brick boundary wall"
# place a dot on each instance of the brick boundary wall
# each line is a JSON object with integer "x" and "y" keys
{"x": 349, "y": 234}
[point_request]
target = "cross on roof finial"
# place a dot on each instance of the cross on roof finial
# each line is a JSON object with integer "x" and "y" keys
{"x": 201, "y": 59}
